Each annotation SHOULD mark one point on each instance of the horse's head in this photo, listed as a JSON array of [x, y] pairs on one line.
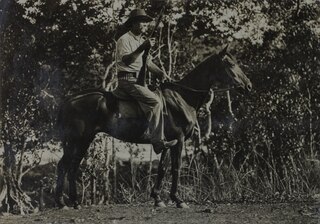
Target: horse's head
[[229, 73]]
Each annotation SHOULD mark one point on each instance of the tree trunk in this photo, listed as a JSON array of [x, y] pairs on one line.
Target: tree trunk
[[114, 161], [14, 199], [311, 132], [106, 180], [149, 186], [93, 190]]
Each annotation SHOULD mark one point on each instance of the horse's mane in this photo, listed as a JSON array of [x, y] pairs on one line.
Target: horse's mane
[[210, 57]]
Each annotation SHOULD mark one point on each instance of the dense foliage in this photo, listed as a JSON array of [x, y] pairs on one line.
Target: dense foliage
[[268, 146]]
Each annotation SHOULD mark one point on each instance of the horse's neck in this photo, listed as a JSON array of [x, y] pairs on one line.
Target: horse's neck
[[198, 81], [194, 99]]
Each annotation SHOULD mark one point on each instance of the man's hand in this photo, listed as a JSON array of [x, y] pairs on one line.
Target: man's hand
[[148, 43]]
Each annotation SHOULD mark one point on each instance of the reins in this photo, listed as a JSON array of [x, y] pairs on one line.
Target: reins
[[200, 90]]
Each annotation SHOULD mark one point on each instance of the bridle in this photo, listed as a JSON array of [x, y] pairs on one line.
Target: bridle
[[227, 70]]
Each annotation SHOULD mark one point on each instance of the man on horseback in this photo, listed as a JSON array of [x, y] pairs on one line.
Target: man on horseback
[[130, 48]]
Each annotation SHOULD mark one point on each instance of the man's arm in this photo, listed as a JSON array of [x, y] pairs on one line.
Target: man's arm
[[130, 58]]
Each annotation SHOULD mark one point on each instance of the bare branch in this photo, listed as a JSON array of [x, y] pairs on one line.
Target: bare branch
[[230, 105], [159, 55], [169, 50], [298, 8], [208, 111], [106, 74]]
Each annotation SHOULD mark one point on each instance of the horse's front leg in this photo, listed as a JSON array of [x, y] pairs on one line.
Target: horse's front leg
[[176, 152], [162, 169], [79, 152]]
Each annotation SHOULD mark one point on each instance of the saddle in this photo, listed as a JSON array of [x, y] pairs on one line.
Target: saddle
[[124, 106]]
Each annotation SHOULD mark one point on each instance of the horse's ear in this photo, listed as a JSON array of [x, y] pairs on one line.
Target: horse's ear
[[224, 51]]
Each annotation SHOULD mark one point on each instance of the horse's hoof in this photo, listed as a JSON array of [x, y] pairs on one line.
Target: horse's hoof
[[182, 205], [60, 203], [77, 206], [62, 206], [160, 204]]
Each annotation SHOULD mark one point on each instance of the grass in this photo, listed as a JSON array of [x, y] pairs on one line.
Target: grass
[[214, 178]]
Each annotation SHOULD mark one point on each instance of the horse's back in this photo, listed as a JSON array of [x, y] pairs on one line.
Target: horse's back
[[95, 99]]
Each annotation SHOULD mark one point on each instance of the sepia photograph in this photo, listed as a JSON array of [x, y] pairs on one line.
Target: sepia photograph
[[159, 111]]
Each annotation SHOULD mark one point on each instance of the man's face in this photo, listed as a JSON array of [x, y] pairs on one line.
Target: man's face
[[140, 27]]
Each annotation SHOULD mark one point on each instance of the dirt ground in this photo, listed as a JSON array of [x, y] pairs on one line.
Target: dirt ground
[[145, 213]]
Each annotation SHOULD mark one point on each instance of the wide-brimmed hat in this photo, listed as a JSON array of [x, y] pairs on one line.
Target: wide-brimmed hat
[[138, 15]]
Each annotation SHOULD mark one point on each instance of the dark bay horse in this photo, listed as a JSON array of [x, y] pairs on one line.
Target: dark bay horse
[[83, 115]]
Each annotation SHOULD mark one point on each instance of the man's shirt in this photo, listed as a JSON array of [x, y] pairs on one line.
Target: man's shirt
[[127, 44]]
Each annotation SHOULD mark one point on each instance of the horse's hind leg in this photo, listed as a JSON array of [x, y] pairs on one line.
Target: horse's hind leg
[[61, 172], [80, 150], [162, 168]]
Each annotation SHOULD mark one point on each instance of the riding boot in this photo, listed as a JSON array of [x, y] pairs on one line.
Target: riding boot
[[160, 145]]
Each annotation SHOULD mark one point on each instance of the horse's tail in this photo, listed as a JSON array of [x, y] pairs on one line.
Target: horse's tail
[[60, 115], [60, 121]]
